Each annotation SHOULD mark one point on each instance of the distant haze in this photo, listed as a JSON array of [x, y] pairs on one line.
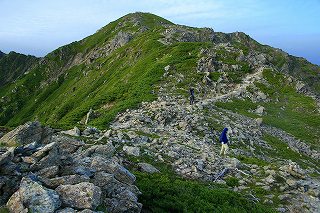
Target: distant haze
[[37, 27]]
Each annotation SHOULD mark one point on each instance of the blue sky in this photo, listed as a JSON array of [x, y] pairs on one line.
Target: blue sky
[[39, 26]]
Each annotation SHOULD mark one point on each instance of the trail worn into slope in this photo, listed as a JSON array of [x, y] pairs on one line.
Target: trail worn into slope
[[186, 137], [240, 88]]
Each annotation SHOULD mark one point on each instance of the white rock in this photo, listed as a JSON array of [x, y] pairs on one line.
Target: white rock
[[166, 68], [145, 167], [259, 121], [260, 110], [131, 150], [73, 132]]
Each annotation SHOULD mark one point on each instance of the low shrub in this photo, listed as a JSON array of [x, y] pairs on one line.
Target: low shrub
[[163, 193]]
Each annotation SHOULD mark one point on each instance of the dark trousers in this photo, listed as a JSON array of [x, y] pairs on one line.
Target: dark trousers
[[191, 99]]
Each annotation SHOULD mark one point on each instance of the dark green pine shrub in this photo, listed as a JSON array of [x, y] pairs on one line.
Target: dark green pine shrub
[[162, 193]]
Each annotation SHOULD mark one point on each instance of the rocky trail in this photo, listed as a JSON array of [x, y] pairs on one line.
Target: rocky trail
[[167, 130], [186, 136], [140, 57], [239, 88]]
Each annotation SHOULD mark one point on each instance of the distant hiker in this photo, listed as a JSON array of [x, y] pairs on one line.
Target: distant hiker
[[191, 91], [224, 142]]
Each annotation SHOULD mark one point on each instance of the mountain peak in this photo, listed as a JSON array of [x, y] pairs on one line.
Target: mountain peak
[[132, 79], [147, 19]]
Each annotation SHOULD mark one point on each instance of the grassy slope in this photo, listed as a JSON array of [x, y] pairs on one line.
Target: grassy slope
[[288, 110], [125, 80], [13, 65]]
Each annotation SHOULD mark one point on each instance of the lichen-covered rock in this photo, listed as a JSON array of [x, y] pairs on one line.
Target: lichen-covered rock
[[131, 150], [69, 166], [51, 159], [105, 150], [33, 197], [116, 205], [73, 132], [84, 195], [148, 168], [89, 211], [66, 144], [27, 133], [65, 180], [8, 185], [123, 175], [44, 151], [66, 210], [103, 164], [7, 155], [48, 172], [102, 178]]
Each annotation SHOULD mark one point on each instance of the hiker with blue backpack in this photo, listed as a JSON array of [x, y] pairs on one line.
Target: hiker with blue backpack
[[224, 142]]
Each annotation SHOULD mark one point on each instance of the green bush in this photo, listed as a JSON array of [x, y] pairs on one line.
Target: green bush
[[214, 76], [4, 210], [162, 193], [232, 181]]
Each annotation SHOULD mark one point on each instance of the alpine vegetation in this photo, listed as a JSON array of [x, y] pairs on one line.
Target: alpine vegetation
[[149, 116]]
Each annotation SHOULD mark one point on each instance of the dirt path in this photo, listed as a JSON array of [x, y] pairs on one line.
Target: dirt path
[[247, 81]]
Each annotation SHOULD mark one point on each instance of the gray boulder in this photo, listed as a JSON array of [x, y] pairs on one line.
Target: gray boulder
[[114, 187], [84, 195], [97, 164], [232, 163], [8, 186], [148, 168], [27, 133], [65, 180], [33, 197], [100, 164], [102, 178], [48, 172], [131, 150], [300, 86], [90, 131], [105, 150], [116, 205], [7, 155], [51, 158], [80, 170], [260, 110], [67, 145], [66, 210], [259, 121], [44, 151], [73, 132], [124, 176]]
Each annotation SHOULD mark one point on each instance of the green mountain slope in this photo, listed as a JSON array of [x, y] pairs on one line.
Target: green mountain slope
[[135, 74], [13, 65], [122, 65]]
